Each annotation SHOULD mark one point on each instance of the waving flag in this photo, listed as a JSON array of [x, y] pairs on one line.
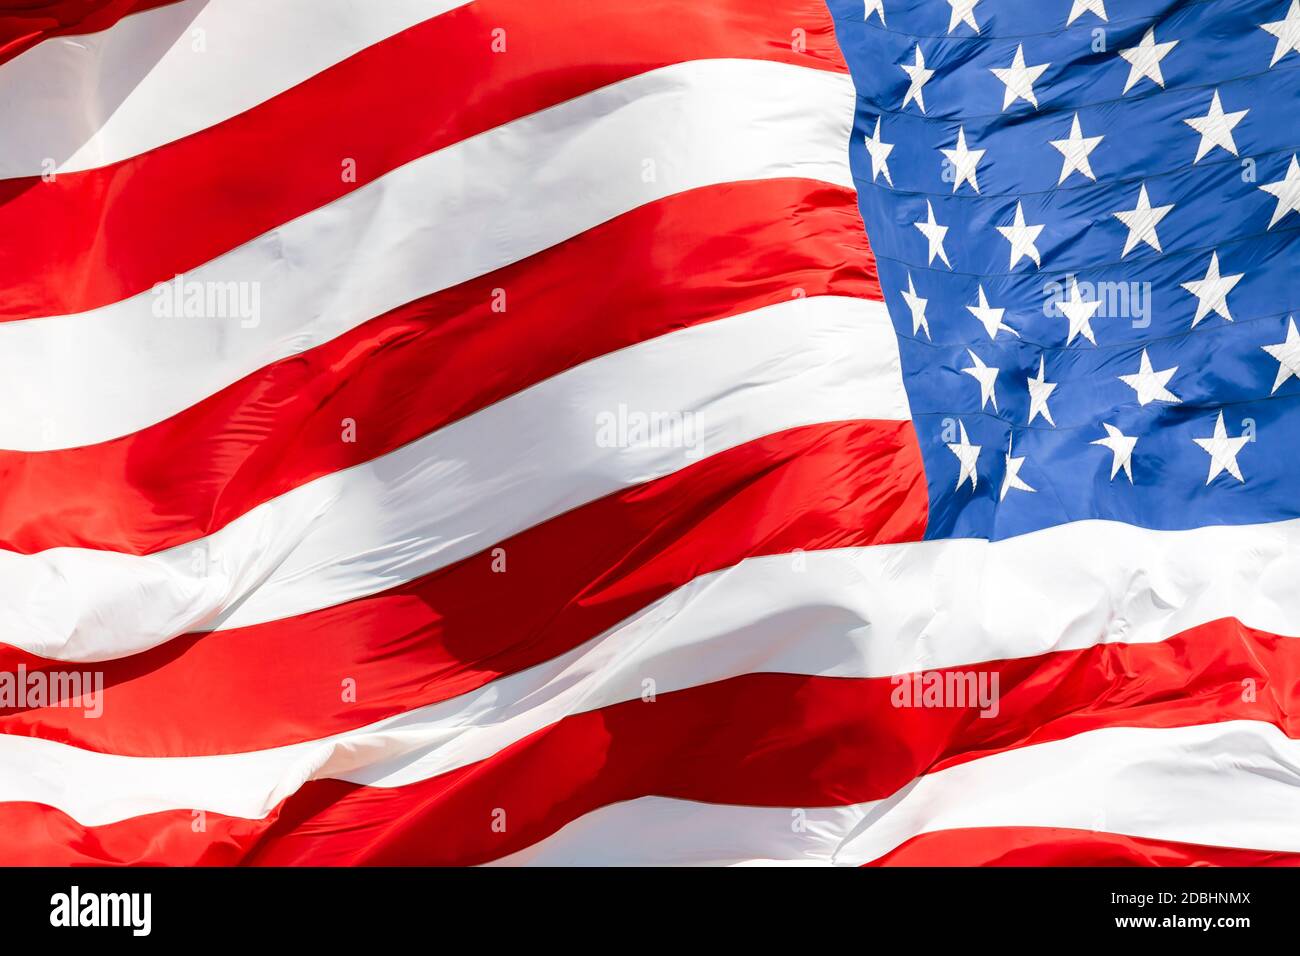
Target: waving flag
[[459, 433]]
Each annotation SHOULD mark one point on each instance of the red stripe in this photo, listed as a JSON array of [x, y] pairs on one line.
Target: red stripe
[[1053, 846], [464, 625], [762, 739], [25, 23], [688, 259], [428, 87]]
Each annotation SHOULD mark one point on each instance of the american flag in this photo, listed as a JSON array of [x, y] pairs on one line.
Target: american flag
[[464, 433]]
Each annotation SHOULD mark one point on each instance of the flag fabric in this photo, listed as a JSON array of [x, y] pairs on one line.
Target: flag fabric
[[477, 433]]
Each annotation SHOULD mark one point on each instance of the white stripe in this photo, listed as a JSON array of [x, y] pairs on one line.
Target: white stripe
[[1234, 784], [721, 625], [157, 76], [443, 219], [459, 490], [944, 603]]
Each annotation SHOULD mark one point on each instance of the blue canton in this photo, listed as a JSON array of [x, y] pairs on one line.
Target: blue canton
[[1086, 216]]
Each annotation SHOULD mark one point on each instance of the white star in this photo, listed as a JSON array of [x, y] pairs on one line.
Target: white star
[[875, 6], [1215, 128], [1075, 150], [920, 76], [1144, 59], [1287, 32], [1022, 238], [1223, 451], [1011, 478], [1039, 391], [1121, 447], [963, 11], [1079, 313], [990, 318], [1287, 354], [1080, 7], [1142, 221], [987, 376], [1019, 79], [1287, 191], [1150, 384], [967, 454], [1212, 291], [934, 234], [964, 161], [879, 151], [916, 305]]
